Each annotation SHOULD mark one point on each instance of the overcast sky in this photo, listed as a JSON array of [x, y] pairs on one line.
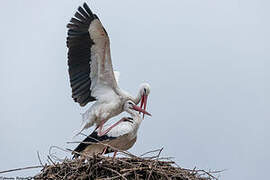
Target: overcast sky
[[207, 62]]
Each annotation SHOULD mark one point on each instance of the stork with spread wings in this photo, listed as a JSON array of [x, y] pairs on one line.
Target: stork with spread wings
[[91, 73]]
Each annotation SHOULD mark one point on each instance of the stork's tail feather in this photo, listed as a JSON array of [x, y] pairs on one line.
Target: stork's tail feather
[[83, 127], [85, 116], [86, 123], [76, 133]]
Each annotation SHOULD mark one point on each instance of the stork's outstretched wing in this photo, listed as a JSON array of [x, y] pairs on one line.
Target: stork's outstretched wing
[[89, 59]]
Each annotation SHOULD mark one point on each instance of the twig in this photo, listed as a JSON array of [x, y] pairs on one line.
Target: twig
[[115, 172], [39, 159], [155, 164], [55, 157], [56, 147], [115, 177], [160, 152], [209, 174], [148, 152], [20, 169], [49, 158]]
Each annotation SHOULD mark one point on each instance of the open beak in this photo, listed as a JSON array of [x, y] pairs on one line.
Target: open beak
[[143, 103], [137, 108]]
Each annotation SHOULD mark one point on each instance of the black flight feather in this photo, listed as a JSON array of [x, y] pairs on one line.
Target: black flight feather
[[91, 139], [79, 45]]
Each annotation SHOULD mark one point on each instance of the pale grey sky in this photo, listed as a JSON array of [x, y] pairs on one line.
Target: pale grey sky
[[207, 62]]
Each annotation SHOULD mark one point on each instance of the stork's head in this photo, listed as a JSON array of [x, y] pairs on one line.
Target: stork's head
[[130, 107], [144, 91]]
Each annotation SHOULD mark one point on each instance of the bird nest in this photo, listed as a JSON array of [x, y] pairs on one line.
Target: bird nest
[[132, 167]]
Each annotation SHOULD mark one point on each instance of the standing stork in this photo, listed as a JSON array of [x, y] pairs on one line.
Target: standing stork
[[122, 137], [91, 73]]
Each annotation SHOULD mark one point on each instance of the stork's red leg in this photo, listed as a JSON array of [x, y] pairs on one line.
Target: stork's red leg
[[107, 130], [104, 150], [100, 128], [114, 154]]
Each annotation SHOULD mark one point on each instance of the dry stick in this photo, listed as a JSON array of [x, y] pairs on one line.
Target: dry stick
[[49, 158], [187, 170], [160, 152], [55, 157], [203, 171], [118, 159], [173, 172], [217, 171], [115, 172], [167, 158], [134, 169], [150, 152], [160, 171], [39, 159], [194, 171], [19, 169], [123, 161], [153, 157], [210, 175], [155, 164], [115, 177], [57, 147], [136, 176]]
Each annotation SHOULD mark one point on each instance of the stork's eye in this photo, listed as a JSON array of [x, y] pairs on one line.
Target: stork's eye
[[130, 103], [144, 90]]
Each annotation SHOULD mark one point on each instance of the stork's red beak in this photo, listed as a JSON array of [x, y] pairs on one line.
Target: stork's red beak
[[144, 102], [137, 108]]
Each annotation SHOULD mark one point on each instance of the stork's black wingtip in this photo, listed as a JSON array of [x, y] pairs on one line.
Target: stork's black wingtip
[[79, 8], [85, 5]]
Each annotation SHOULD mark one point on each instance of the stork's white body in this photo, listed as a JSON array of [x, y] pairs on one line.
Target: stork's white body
[[122, 137], [102, 110], [91, 73]]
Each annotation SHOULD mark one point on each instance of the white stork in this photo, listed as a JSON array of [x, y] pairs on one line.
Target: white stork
[[121, 137], [91, 73]]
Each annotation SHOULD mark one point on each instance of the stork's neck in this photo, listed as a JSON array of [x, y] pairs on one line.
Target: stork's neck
[[136, 122], [135, 115], [137, 99], [127, 96]]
